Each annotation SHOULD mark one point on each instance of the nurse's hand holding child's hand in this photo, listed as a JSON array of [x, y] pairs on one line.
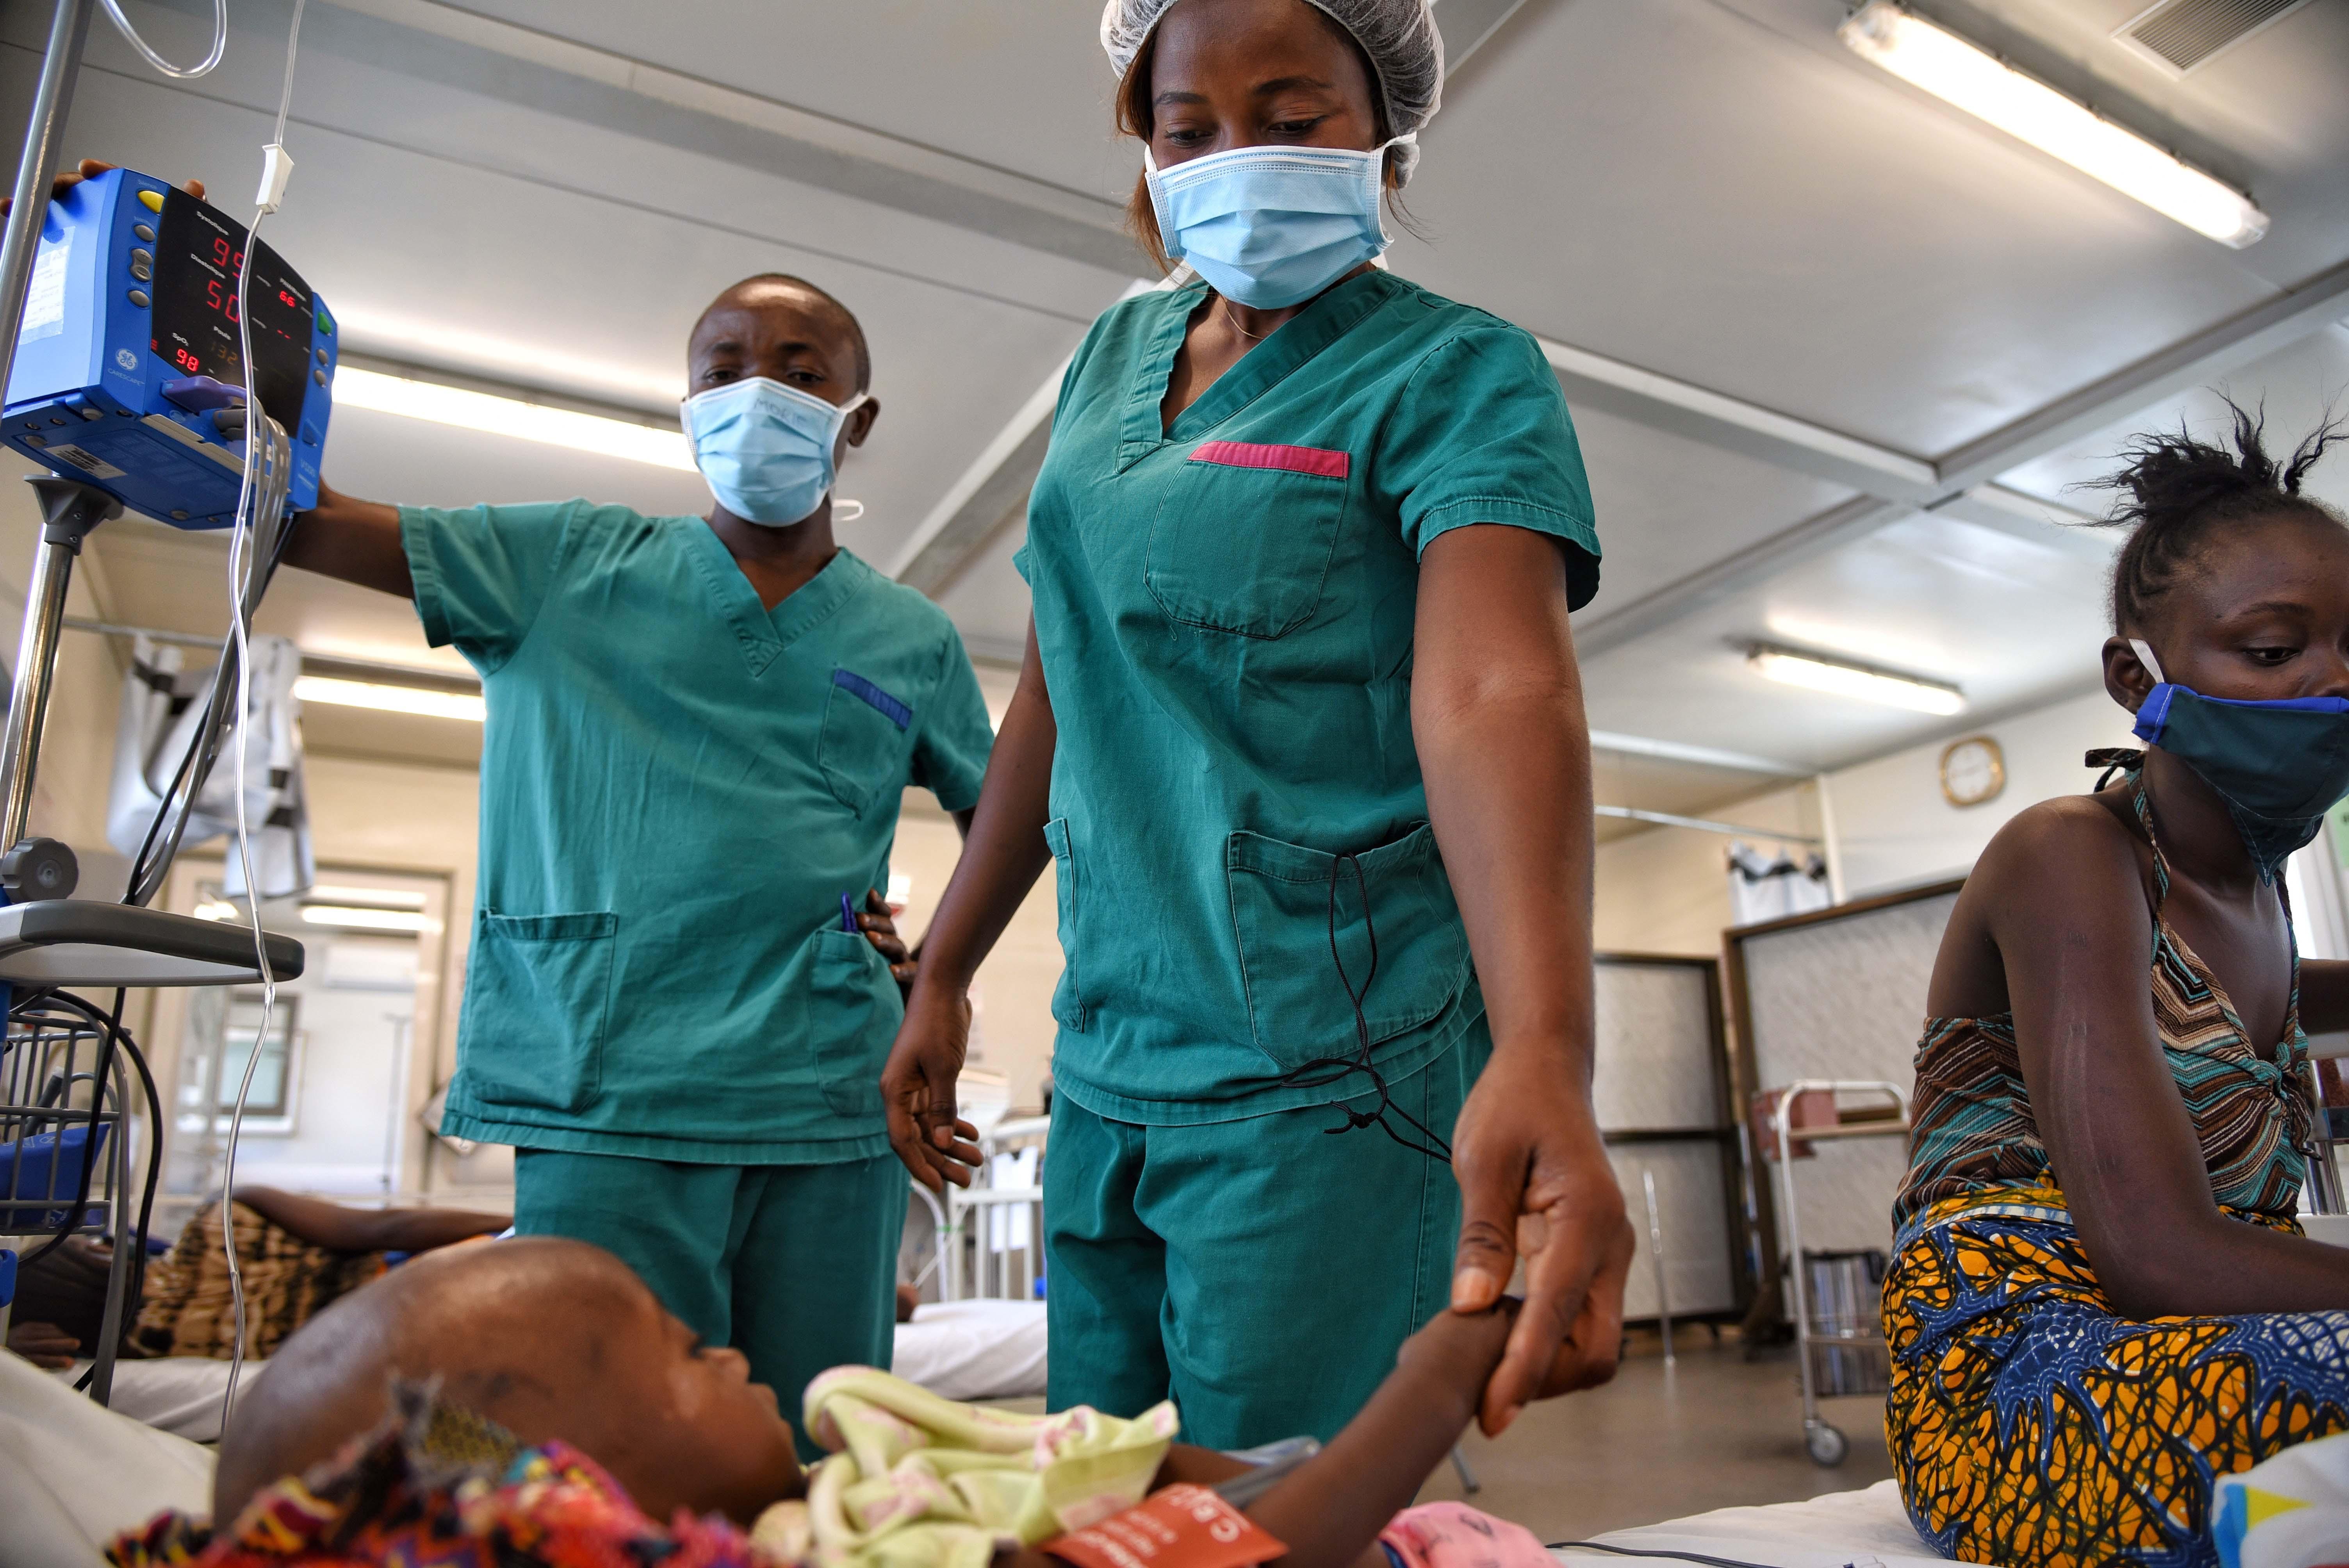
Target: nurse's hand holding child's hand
[[1535, 1182]]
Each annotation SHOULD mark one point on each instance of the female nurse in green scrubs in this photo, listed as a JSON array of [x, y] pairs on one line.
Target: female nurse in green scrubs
[[1301, 731]]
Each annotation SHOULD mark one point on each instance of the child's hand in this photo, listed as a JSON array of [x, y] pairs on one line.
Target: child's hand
[[1460, 1349]]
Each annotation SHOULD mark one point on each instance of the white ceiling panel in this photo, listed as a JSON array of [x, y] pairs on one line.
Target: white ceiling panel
[[2298, 389], [2012, 622], [1675, 184], [1018, 83]]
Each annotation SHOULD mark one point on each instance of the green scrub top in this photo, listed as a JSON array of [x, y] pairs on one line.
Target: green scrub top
[[678, 786], [1225, 614]]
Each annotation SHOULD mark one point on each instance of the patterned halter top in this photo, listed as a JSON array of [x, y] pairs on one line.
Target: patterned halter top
[[2251, 1108]]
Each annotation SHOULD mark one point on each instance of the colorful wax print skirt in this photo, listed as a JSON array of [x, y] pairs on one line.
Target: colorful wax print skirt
[[2031, 1426]]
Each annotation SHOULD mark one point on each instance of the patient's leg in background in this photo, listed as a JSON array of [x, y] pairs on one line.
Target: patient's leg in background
[[669, 1221], [814, 1259]]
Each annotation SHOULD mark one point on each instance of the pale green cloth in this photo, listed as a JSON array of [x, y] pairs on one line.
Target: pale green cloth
[[919, 1481]]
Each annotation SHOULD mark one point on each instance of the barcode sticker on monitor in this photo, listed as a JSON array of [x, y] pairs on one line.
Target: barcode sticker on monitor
[[89, 462]]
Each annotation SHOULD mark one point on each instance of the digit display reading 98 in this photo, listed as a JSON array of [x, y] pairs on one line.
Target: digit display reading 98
[[198, 254]]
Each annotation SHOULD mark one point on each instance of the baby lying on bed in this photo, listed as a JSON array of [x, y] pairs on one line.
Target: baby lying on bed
[[541, 1353]]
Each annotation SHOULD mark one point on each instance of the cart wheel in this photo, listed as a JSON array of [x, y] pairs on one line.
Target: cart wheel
[[1827, 1445]]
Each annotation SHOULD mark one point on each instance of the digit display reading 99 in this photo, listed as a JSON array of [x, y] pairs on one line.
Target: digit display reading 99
[[199, 252]]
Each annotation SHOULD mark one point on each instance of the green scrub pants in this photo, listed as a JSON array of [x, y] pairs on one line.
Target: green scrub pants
[[794, 1265], [1260, 1273]]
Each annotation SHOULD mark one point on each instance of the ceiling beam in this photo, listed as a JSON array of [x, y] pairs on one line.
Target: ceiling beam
[[2252, 334], [1732, 423], [1467, 26], [1961, 477], [989, 497], [554, 75], [1731, 574]]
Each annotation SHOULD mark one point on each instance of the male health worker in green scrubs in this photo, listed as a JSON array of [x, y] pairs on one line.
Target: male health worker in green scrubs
[[677, 1002], [1300, 732]]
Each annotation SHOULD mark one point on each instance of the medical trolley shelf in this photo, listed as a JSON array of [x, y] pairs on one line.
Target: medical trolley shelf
[[1817, 1334], [64, 1152]]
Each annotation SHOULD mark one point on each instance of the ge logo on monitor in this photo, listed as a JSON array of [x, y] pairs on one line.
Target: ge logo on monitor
[[126, 358]]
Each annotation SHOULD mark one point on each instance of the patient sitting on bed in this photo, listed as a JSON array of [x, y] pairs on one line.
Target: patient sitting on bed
[[504, 1396]]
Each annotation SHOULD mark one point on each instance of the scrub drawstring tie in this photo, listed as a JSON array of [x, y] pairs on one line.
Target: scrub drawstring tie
[[1324, 1070]]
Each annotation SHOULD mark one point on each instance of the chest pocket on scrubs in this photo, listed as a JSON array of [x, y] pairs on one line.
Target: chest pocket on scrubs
[[1244, 535], [862, 748], [1297, 1001], [854, 1014], [538, 992]]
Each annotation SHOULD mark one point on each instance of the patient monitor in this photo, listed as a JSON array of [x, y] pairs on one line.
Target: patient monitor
[[129, 375]]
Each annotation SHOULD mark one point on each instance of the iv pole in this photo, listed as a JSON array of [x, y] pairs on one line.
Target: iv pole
[[58, 940], [72, 510]]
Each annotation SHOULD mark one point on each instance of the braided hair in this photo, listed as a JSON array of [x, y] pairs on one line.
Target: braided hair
[[2176, 492]]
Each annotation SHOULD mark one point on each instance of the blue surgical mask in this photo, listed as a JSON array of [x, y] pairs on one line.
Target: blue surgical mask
[[765, 448], [1270, 227], [2279, 765]]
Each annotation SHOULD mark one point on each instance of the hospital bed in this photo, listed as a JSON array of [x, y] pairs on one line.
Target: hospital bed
[[984, 1337], [1865, 1529], [72, 1474]]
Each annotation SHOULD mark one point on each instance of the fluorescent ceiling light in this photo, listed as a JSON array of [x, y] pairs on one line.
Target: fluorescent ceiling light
[[392, 898], [216, 909], [360, 388], [1821, 673], [367, 918], [433, 342], [2025, 108], [391, 698]]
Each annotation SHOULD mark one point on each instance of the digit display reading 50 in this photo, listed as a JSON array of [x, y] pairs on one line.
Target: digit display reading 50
[[199, 257]]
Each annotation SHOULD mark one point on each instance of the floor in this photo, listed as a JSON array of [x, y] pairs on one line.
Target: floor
[[1714, 1431]]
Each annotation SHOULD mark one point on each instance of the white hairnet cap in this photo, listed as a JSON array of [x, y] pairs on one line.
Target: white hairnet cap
[[1406, 55]]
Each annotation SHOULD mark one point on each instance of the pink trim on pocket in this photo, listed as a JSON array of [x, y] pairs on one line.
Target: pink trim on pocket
[[1295, 460]]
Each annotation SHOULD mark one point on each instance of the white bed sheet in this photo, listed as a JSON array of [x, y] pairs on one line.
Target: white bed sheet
[[72, 1474], [1861, 1528], [973, 1349], [176, 1394]]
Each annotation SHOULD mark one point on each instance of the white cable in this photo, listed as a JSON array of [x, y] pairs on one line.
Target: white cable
[[181, 73], [264, 440]]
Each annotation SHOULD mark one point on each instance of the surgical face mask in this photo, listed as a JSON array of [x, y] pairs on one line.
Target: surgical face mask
[[1270, 227], [765, 448], [2279, 765]]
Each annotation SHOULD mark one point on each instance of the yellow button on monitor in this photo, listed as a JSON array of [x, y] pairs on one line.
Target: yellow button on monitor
[[154, 199]]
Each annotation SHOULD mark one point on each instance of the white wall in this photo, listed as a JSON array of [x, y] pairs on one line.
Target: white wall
[[1894, 829], [1011, 1000], [1666, 889]]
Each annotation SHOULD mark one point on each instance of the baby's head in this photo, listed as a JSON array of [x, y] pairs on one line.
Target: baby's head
[[2235, 578], [551, 1339]]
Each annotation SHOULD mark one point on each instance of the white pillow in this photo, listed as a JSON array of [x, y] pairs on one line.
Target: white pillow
[[73, 1474]]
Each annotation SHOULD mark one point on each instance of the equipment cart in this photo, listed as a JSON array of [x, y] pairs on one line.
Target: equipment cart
[[1842, 1333]]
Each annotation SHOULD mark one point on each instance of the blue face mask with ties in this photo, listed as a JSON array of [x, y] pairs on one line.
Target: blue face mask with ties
[[2279, 765], [1270, 227], [765, 448]]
